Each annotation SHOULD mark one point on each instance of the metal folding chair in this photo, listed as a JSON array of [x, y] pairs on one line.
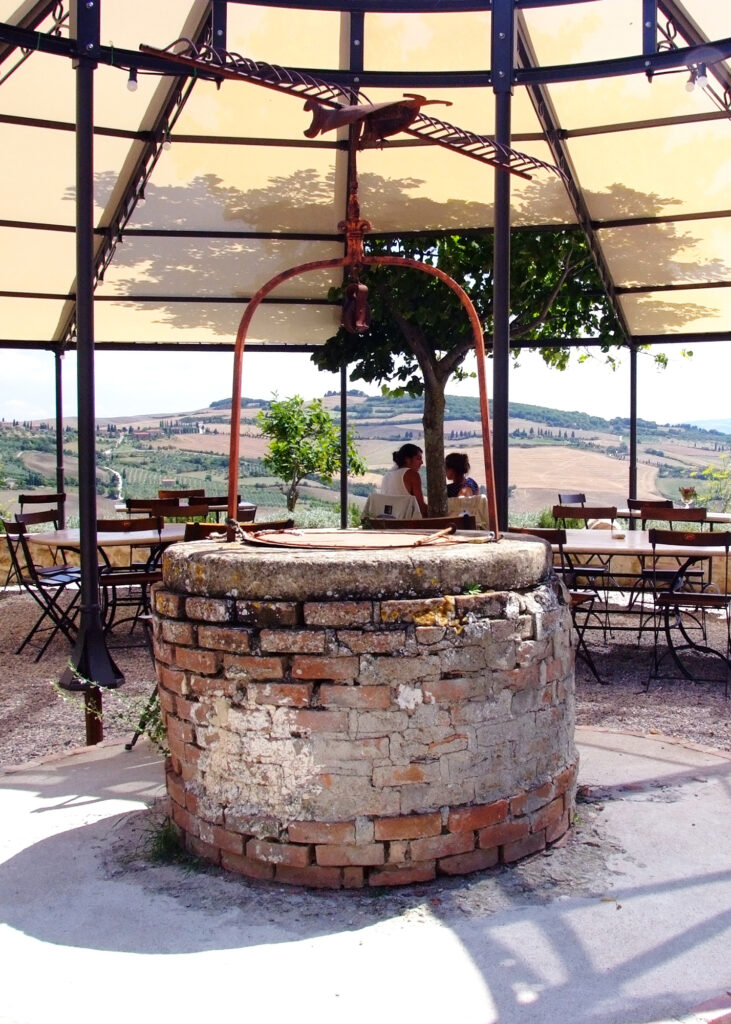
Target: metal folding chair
[[128, 585], [680, 608], [46, 586], [581, 600]]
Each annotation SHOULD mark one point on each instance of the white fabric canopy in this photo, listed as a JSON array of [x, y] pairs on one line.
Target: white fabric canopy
[[651, 164]]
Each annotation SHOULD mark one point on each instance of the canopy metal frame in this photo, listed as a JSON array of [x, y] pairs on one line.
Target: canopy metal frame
[[92, 666]]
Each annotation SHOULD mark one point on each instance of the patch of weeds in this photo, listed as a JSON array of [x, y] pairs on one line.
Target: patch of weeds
[[164, 844], [472, 588]]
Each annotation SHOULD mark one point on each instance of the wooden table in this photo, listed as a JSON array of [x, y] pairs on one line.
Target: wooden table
[[71, 539], [717, 518], [627, 543]]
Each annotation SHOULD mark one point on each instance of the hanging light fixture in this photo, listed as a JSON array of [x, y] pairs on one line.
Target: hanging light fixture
[[701, 77], [132, 80]]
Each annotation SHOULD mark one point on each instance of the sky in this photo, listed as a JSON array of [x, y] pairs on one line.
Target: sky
[[129, 383]]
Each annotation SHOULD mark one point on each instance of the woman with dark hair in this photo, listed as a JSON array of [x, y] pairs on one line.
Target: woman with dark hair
[[457, 466], [404, 477]]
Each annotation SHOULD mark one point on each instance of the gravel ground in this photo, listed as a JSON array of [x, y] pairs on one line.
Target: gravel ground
[[37, 720]]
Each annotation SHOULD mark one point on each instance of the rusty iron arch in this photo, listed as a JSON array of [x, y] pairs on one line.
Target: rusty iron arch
[[348, 261]]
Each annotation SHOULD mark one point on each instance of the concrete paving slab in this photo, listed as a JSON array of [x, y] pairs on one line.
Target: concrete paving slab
[[627, 922]]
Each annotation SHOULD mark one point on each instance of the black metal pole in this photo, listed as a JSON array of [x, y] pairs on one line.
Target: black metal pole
[[344, 447], [502, 69], [632, 425], [91, 665], [60, 486], [356, 45]]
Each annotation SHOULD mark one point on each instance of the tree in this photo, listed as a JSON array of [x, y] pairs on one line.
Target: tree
[[419, 334], [304, 441]]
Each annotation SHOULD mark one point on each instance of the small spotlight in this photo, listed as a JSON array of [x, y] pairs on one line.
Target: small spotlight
[[132, 80], [701, 78], [166, 141], [690, 84]]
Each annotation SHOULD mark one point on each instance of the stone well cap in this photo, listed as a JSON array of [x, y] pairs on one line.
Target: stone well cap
[[217, 569]]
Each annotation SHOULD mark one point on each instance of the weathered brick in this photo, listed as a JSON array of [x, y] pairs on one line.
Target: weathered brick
[[205, 663], [164, 652], [319, 720], [252, 668], [182, 732], [398, 851], [231, 842], [429, 635], [522, 678], [463, 659], [167, 701], [321, 832], [353, 878], [480, 816], [566, 779], [278, 853], [340, 856], [373, 697], [557, 827], [412, 826], [450, 744], [178, 632], [449, 690], [433, 611], [175, 788], [395, 671], [172, 679], [292, 641], [464, 863], [422, 872], [403, 775], [172, 606], [290, 695], [246, 866], [507, 832], [338, 613], [523, 847], [372, 642], [492, 605], [206, 686], [268, 613], [367, 749], [191, 711], [225, 638], [306, 667], [208, 609], [202, 849], [184, 819], [532, 799], [314, 875], [547, 815], [442, 846], [379, 723]]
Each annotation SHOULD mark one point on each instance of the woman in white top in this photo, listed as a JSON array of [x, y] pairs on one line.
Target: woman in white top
[[404, 477]]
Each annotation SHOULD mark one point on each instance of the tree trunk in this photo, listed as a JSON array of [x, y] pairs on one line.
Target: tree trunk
[[433, 421]]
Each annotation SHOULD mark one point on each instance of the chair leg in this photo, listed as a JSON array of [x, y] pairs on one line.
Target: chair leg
[[146, 621], [581, 646], [144, 718]]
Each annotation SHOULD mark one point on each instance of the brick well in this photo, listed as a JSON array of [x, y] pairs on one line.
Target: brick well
[[349, 718]]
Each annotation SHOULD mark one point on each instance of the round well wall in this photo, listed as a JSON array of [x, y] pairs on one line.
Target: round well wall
[[347, 718]]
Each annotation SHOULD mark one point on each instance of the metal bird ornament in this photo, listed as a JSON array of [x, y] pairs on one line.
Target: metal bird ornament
[[332, 106], [377, 120]]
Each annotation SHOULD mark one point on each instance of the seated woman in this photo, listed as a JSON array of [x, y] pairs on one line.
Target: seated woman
[[404, 477], [457, 466]]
